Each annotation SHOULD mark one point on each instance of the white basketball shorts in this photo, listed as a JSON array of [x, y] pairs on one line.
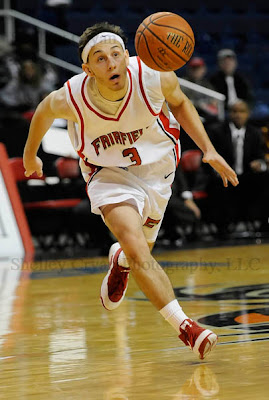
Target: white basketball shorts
[[147, 187]]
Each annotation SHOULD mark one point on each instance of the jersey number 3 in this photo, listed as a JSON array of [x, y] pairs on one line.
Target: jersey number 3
[[134, 156]]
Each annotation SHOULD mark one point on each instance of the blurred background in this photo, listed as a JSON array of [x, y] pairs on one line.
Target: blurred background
[[38, 53]]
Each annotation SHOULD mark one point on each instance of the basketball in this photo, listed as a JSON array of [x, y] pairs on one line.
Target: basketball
[[164, 41]]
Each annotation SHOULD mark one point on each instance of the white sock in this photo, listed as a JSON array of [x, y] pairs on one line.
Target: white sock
[[122, 260], [173, 314]]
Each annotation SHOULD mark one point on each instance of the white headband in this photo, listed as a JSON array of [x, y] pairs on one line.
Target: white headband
[[107, 37]]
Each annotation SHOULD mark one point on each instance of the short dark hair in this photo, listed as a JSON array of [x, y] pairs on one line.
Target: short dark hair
[[239, 101], [92, 31]]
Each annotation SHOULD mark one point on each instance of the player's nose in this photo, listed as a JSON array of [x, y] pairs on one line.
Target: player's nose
[[111, 63]]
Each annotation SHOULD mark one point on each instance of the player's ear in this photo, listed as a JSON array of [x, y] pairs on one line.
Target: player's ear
[[87, 70], [126, 55]]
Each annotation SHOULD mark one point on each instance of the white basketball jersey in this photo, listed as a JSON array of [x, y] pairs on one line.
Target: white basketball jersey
[[140, 132]]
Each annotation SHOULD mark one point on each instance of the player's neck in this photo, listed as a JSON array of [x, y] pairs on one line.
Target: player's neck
[[112, 95]]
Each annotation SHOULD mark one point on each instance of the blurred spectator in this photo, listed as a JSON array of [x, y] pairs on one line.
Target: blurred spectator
[[84, 222], [23, 83], [206, 106], [23, 93], [242, 146], [196, 71], [5, 73], [229, 81], [23, 86], [260, 118], [265, 132], [59, 7], [24, 49], [182, 214]]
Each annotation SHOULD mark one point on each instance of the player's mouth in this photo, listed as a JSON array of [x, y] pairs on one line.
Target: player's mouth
[[114, 77]]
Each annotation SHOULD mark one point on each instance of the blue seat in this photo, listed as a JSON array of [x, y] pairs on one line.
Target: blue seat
[[82, 5], [262, 7], [77, 22], [29, 7], [239, 7], [262, 95], [111, 6], [213, 6], [68, 53]]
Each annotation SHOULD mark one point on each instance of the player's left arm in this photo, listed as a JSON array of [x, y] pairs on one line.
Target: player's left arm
[[187, 116]]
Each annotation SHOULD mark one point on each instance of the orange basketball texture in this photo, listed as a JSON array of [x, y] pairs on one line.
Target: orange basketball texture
[[164, 41]]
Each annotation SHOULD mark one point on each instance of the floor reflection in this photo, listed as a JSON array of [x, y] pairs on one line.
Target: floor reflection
[[202, 384], [11, 302]]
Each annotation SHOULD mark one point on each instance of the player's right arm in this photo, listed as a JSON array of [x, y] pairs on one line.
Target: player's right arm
[[188, 117], [53, 106]]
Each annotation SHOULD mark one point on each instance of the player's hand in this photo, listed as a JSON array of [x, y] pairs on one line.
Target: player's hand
[[220, 165], [33, 165]]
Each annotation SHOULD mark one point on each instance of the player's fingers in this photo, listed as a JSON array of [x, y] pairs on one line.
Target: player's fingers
[[28, 173], [231, 175], [39, 170], [233, 179], [224, 179]]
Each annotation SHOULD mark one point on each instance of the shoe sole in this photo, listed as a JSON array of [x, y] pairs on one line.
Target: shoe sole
[[206, 345]]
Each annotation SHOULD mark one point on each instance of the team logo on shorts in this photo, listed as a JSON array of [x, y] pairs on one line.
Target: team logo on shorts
[[150, 222]]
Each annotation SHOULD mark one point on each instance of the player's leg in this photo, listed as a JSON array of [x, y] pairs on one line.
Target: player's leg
[[115, 283], [125, 223]]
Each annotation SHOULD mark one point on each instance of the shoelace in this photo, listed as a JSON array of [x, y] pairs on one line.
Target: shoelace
[[186, 335]]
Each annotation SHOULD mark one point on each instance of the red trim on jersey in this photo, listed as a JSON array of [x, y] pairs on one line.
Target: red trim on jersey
[[90, 174], [99, 114], [165, 121], [87, 188], [81, 121], [86, 162], [142, 88], [177, 154]]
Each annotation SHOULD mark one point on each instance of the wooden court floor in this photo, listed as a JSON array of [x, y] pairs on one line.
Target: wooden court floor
[[57, 342]]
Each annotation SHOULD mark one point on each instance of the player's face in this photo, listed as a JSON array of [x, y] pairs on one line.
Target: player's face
[[108, 64]]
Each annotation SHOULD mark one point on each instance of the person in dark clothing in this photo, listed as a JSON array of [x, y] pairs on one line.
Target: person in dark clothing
[[196, 72], [182, 211], [229, 81], [242, 146]]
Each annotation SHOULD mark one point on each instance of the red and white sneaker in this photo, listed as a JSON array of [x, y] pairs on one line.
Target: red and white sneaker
[[115, 282], [200, 340]]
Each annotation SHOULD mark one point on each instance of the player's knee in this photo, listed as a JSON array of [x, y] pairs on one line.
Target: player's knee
[[137, 254], [134, 245]]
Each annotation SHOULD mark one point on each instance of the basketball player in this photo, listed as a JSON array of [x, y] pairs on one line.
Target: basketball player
[[128, 146]]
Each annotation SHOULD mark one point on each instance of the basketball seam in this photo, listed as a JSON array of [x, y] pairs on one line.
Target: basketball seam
[[151, 54], [173, 51], [173, 27], [141, 33], [160, 16], [168, 26], [145, 27]]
